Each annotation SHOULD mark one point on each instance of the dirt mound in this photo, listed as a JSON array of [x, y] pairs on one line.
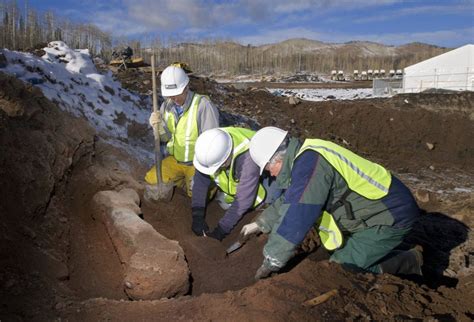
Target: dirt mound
[[399, 130], [38, 149], [59, 263]]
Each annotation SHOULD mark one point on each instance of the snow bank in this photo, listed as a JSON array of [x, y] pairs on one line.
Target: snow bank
[[69, 78]]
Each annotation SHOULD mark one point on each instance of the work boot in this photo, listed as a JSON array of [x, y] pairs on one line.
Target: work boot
[[406, 262]]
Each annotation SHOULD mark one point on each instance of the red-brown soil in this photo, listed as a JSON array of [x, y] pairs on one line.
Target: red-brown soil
[[57, 262]]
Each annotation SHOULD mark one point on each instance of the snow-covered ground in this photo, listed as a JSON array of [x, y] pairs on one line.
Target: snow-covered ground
[[70, 78], [325, 94], [280, 78]]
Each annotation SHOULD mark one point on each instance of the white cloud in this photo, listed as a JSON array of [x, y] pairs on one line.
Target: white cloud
[[439, 9], [312, 5], [117, 22], [269, 20], [449, 38], [178, 14]]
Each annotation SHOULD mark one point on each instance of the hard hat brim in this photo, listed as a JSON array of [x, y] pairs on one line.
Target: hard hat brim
[[267, 148], [203, 169], [166, 92], [331, 237]]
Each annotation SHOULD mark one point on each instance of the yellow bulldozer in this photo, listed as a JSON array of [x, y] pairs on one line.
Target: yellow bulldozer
[[123, 59], [184, 66]]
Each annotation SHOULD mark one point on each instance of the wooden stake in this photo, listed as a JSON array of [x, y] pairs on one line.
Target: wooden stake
[[321, 298]]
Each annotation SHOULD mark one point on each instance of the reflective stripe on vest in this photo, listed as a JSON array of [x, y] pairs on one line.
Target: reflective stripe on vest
[[225, 179], [329, 233], [367, 178], [184, 132]]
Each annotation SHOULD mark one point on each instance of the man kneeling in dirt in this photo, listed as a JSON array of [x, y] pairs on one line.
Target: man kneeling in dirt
[[361, 211], [222, 156], [182, 117]]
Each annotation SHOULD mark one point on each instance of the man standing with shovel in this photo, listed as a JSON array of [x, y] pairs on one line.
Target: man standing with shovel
[[182, 117]]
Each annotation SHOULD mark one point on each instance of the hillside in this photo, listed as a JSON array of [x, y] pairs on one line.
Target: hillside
[[295, 55]]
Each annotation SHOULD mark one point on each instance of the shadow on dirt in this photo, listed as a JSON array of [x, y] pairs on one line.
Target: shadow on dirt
[[439, 235]]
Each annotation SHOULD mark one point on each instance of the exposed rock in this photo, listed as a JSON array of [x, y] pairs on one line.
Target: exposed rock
[[47, 150], [294, 100], [155, 266]]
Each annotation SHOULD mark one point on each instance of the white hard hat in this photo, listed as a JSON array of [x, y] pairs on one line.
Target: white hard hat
[[264, 144], [212, 149], [173, 81]]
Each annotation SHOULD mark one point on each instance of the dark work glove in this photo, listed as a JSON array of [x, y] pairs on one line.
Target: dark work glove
[[218, 233], [199, 225]]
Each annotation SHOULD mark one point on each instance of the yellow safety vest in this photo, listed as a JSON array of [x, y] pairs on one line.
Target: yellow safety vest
[[184, 132], [362, 176], [225, 179]]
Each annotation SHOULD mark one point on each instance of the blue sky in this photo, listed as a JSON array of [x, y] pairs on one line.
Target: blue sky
[[447, 23]]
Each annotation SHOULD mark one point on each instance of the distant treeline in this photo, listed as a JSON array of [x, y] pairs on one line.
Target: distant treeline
[[225, 57], [23, 28]]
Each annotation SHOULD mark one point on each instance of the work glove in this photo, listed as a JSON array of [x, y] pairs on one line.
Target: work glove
[[218, 233], [265, 270], [155, 119], [199, 225], [250, 229]]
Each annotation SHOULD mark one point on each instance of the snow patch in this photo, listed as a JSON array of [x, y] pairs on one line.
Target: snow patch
[[325, 94], [69, 78]]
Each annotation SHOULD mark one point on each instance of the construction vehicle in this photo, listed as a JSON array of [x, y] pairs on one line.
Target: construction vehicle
[[340, 75], [184, 66], [123, 59], [370, 74]]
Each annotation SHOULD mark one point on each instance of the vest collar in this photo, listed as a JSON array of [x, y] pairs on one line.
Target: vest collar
[[284, 178], [187, 102]]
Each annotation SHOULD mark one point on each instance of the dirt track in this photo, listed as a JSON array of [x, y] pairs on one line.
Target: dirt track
[[58, 262], [357, 84]]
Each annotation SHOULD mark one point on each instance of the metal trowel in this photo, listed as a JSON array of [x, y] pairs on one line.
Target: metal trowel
[[237, 245]]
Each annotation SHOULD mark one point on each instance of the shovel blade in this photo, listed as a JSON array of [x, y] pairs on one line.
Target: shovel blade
[[157, 192]]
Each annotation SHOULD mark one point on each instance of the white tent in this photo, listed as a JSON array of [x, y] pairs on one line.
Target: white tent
[[453, 70]]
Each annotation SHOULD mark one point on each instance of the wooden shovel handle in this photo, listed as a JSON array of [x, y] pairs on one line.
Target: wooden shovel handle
[[156, 132]]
